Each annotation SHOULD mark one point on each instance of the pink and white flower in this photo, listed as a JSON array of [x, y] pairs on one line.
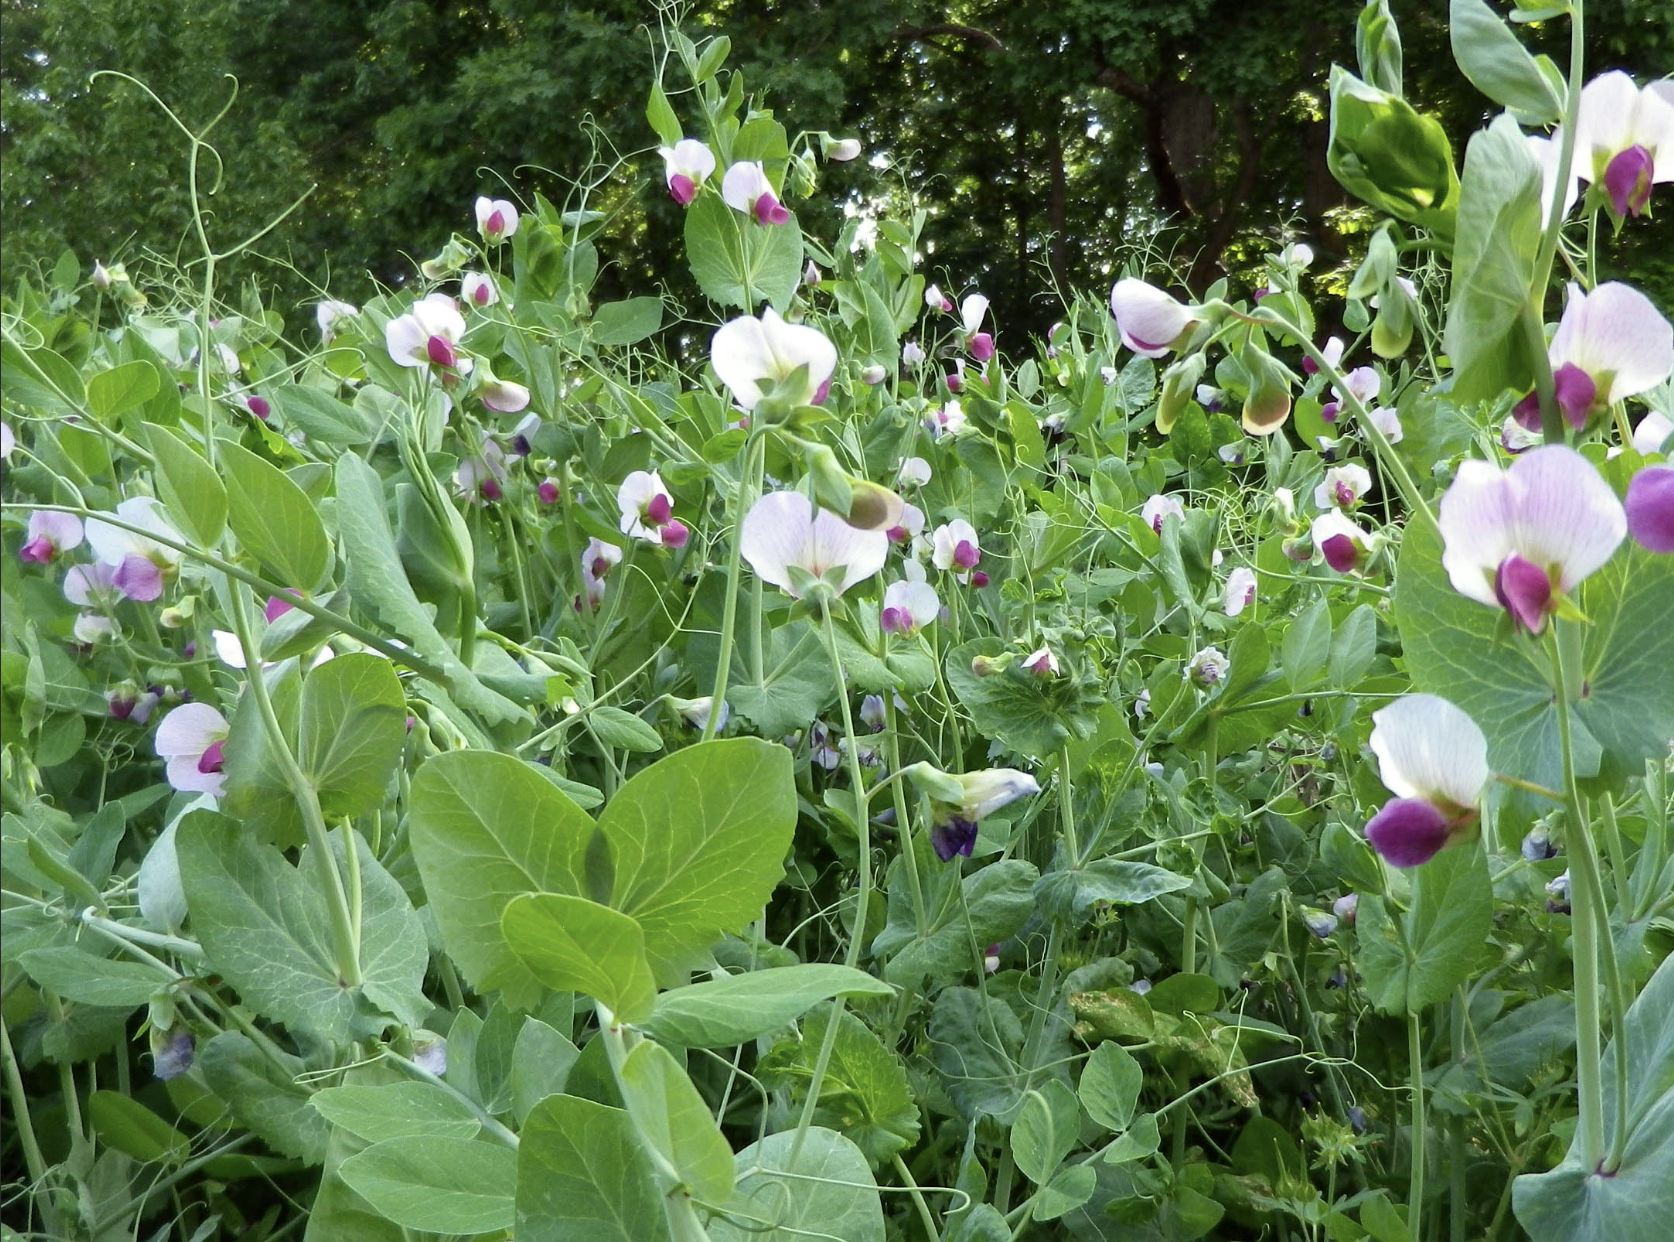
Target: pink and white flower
[[1333, 352], [48, 534], [192, 739], [1150, 321], [647, 511], [1548, 152], [1387, 421], [139, 565], [686, 166], [914, 472], [1625, 139], [791, 545], [746, 188], [1652, 433], [428, 335], [971, 312], [496, 219], [478, 290], [1157, 507], [936, 300], [954, 545], [1650, 508], [596, 562], [92, 586], [909, 526], [1345, 546], [1240, 590], [505, 397], [1362, 383], [1344, 487], [1611, 344], [1041, 662], [329, 313], [1207, 668], [1524, 538], [948, 419], [752, 356], [696, 712], [483, 477], [1434, 759], [908, 606]]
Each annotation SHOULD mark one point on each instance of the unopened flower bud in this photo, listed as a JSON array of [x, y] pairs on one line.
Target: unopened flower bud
[[874, 375], [1320, 923], [101, 277], [1346, 907], [811, 275]]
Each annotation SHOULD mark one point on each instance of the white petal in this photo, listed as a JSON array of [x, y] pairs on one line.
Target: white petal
[[775, 532], [971, 311], [795, 345], [917, 599], [182, 773], [228, 649], [190, 729], [1605, 126], [405, 338], [992, 788], [1148, 319], [743, 184], [1428, 748], [833, 542], [742, 358], [1564, 515], [1652, 433], [1615, 335]]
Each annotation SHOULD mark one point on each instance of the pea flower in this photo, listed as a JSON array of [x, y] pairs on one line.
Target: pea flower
[[90, 628], [842, 150], [48, 534], [478, 290], [1363, 383], [746, 188], [8, 441], [1652, 433], [1207, 668], [1434, 759], [686, 166], [1042, 663], [528, 427], [915, 472], [328, 314], [1343, 544], [428, 335], [1343, 488], [912, 354], [139, 564], [647, 512], [192, 738], [1548, 153], [596, 561], [1387, 421], [547, 491], [908, 606], [959, 801], [1150, 321], [1650, 508], [946, 420], [505, 397], [979, 343], [954, 545], [1347, 907], [1625, 139], [1319, 922], [259, 406], [496, 219], [748, 352], [1333, 351], [792, 545], [1524, 538], [935, 299], [482, 477], [696, 712], [92, 586], [1240, 590], [909, 527], [1611, 344], [1157, 507]]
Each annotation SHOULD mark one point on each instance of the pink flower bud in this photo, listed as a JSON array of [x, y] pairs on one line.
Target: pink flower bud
[[548, 491]]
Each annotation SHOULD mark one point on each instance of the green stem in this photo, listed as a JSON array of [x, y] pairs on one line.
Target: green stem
[[20, 1110], [1066, 808], [1188, 937], [903, 823], [1534, 337], [416, 1071], [344, 932], [1566, 153], [754, 453], [1415, 1188], [924, 1215]]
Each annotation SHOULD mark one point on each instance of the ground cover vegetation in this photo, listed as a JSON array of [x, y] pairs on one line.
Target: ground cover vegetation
[[755, 742]]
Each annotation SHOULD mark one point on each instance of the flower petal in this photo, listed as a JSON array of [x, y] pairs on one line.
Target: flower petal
[[1617, 337], [1429, 748], [1650, 508], [774, 533], [1408, 832], [190, 729], [833, 542]]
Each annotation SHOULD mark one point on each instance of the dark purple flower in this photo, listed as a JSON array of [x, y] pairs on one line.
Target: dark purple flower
[[955, 836]]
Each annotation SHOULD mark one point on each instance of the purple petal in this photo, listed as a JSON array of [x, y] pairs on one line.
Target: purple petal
[[1627, 180], [1650, 508], [138, 578], [1576, 391], [1525, 591], [1408, 831], [441, 351], [1527, 412], [173, 1056], [40, 550], [956, 836], [982, 346], [682, 189], [276, 608], [1340, 553]]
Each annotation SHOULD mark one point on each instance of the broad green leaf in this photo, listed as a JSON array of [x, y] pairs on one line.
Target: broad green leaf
[[1307, 646], [730, 253], [1377, 45], [134, 1130], [265, 927], [624, 730], [1067, 1191], [436, 1184], [674, 1119], [1073, 892], [1409, 968], [628, 322], [865, 1095], [41, 379], [661, 116], [337, 1213], [274, 520], [1463, 651], [1110, 1085], [351, 730], [583, 1177], [1498, 65], [998, 900], [397, 1110], [485, 828], [1390, 156], [326, 421], [733, 1010], [1032, 715], [1139, 1141], [265, 1097], [1046, 1130], [120, 389], [1353, 646], [832, 1194], [77, 975], [699, 842], [1185, 993], [1512, 1048], [1500, 227], [189, 486], [541, 1063], [975, 1043], [572, 944]]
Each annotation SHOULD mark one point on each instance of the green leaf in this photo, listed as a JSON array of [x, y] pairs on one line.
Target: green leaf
[[1377, 44], [1353, 646], [1067, 1191], [673, 1118], [134, 1130], [975, 1042], [729, 253], [1450, 920], [1307, 646], [865, 1094], [624, 730], [998, 900], [723, 1013], [1110, 1086], [1185, 993], [829, 1193], [397, 1110], [1461, 650], [189, 486], [485, 828], [661, 116], [352, 728], [1390, 156], [264, 926], [1498, 65], [274, 519], [583, 1177], [628, 322], [326, 421], [1139, 1141], [572, 944], [77, 975], [120, 389], [699, 840], [541, 1063], [1500, 227], [1032, 715], [1046, 1130], [437, 1184], [264, 1096]]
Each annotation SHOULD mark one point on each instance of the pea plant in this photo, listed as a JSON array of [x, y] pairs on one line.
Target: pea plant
[[510, 764]]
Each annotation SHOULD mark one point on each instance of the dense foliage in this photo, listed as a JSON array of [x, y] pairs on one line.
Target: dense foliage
[[747, 743]]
